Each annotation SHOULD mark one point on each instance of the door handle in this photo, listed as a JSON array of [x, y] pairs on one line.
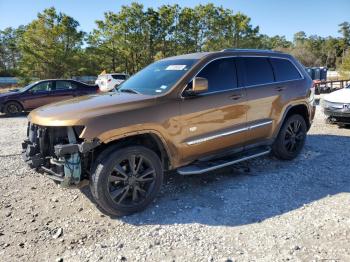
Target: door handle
[[236, 97], [280, 88]]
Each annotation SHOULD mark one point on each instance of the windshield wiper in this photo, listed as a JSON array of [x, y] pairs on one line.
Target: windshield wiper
[[129, 90]]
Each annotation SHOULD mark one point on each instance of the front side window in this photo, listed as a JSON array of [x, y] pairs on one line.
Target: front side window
[[257, 70], [284, 70], [42, 87], [221, 74], [157, 78], [64, 85]]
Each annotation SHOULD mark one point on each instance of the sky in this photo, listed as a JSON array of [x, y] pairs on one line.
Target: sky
[[274, 17]]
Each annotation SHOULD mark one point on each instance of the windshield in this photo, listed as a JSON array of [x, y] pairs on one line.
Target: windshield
[[157, 78], [27, 87]]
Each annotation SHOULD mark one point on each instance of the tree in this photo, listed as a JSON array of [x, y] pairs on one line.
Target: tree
[[345, 31], [345, 66], [128, 40], [10, 54], [50, 46], [299, 38]]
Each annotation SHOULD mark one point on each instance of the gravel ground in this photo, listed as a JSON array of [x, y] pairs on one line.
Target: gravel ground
[[264, 210]]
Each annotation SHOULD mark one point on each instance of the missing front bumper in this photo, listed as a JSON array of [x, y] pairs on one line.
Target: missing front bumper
[[66, 169], [60, 162]]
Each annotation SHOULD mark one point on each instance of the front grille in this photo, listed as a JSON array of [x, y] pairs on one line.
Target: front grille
[[38, 149], [339, 119], [45, 138]]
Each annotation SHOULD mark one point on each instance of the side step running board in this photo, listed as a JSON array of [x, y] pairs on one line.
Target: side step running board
[[203, 167]]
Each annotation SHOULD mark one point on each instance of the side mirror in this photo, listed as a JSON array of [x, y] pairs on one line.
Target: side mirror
[[199, 85]]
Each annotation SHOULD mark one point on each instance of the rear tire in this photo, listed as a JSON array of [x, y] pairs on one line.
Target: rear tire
[[13, 108], [127, 180], [291, 138]]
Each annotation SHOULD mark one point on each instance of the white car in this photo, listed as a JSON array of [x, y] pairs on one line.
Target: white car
[[336, 106], [110, 82]]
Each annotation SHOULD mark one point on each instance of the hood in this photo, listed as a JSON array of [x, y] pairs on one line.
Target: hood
[[78, 110], [340, 96], [8, 94]]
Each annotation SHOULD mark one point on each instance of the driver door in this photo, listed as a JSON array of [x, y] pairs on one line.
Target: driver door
[[39, 95]]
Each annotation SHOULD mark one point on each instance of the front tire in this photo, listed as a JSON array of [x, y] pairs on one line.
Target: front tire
[[13, 108], [127, 180], [291, 138]]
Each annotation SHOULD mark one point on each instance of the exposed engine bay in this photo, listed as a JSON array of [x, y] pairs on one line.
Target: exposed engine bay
[[58, 152]]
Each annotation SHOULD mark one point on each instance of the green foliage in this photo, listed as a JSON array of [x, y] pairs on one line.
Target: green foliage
[[345, 66], [10, 54], [134, 37], [51, 46]]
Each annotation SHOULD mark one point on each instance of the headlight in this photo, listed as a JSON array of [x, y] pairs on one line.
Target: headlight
[[328, 104]]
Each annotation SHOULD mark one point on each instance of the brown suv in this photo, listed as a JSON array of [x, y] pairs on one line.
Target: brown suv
[[191, 113]]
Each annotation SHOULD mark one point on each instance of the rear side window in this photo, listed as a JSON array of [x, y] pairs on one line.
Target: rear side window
[[221, 74], [284, 70], [119, 77], [257, 70], [64, 85]]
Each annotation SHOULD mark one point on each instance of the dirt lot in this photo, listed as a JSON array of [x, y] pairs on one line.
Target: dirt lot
[[276, 211]]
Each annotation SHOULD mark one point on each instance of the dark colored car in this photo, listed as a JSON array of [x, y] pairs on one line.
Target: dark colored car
[[192, 113], [41, 93]]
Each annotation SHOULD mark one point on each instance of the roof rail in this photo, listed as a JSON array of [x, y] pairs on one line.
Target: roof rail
[[249, 49]]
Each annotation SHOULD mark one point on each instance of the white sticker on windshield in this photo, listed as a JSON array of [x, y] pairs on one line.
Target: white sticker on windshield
[[158, 91], [175, 67], [163, 87]]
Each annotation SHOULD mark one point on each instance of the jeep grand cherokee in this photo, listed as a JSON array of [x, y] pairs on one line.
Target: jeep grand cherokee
[[191, 113]]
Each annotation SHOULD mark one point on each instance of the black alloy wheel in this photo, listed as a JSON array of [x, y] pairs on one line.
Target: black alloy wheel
[[126, 180], [131, 180], [291, 138], [13, 108], [294, 136]]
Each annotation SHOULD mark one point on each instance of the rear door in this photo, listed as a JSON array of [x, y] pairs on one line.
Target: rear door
[[269, 83], [216, 120], [63, 90], [85, 89], [263, 97]]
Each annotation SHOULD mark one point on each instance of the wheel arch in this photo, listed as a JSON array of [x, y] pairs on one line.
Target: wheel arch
[[12, 101], [300, 109], [149, 139]]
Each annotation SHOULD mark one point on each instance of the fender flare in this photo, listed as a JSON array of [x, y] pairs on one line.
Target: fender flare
[[286, 111], [153, 132]]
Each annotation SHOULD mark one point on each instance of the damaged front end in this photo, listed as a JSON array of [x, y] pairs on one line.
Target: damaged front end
[[58, 152]]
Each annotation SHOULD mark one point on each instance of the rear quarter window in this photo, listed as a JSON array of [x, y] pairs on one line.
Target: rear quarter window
[[284, 70], [119, 77]]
